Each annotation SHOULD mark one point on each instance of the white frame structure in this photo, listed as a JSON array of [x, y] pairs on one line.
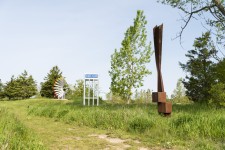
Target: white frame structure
[[91, 82]]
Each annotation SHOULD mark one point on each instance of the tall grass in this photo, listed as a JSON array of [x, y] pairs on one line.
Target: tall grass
[[14, 135], [200, 124]]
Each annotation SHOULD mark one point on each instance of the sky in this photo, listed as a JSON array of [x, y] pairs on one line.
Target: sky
[[80, 36]]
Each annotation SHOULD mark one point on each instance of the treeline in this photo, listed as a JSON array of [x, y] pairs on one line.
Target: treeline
[[21, 87], [24, 86]]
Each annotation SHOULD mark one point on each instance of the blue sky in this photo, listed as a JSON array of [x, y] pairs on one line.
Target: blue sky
[[80, 36]]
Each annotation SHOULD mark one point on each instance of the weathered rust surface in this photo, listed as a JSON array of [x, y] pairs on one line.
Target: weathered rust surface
[[165, 107], [160, 96], [157, 30]]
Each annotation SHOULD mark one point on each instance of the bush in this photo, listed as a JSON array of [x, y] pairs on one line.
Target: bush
[[217, 95]]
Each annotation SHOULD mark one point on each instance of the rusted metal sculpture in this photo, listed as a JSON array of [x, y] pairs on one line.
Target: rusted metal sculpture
[[160, 96]]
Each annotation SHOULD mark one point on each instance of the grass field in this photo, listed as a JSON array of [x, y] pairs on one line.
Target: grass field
[[15, 135], [191, 126]]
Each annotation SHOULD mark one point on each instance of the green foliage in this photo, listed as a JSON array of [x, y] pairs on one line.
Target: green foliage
[[14, 135], [79, 88], [211, 13], [143, 96], [128, 65], [22, 87], [178, 95], [47, 86], [217, 94], [77, 91], [1, 90], [199, 68], [220, 71]]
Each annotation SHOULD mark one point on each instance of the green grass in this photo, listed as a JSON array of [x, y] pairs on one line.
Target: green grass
[[14, 135], [190, 126]]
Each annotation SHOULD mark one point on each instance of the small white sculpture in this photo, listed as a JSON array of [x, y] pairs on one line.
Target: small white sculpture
[[58, 88]]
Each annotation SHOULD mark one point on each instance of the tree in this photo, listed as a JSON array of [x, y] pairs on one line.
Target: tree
[[27, 85], [218, 95], [47, 86], [76, 91], [22, 87], [128, 65], [79, 88], [211, 11], [178, 95], [220, 71], [1, 90], [179, 92], [143, 96], [10, 89], [199, 68]]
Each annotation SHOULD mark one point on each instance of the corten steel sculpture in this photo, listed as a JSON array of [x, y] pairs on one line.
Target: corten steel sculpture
[[160, 96]]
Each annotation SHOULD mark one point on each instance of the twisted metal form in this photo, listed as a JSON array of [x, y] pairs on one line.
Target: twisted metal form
[[157, 30]]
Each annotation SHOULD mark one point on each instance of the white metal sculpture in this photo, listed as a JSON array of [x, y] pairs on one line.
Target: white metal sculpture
[[59, 88], [91, 89]]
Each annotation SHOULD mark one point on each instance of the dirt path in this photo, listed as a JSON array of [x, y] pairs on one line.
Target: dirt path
[[58, 135]]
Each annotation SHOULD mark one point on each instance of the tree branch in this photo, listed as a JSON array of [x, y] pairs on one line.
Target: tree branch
[[219, 5]]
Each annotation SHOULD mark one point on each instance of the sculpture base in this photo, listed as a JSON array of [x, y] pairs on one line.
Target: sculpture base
[[165, 107], [158, 97]]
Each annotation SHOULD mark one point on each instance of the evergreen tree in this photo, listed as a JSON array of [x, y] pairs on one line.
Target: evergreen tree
[[128, 65], [47, 86], [20, 88], [11, 89], [199, 68], [27, 85]]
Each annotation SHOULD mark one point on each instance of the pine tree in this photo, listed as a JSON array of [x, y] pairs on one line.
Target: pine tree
[[27, 85], [21, 87], [199, 68], [47, 86], [128, 65], [11, 89]]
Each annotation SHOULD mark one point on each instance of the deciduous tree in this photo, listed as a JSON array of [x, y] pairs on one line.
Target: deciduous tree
[[179, 95], [128, 65], [1, 90], [212, 12]]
